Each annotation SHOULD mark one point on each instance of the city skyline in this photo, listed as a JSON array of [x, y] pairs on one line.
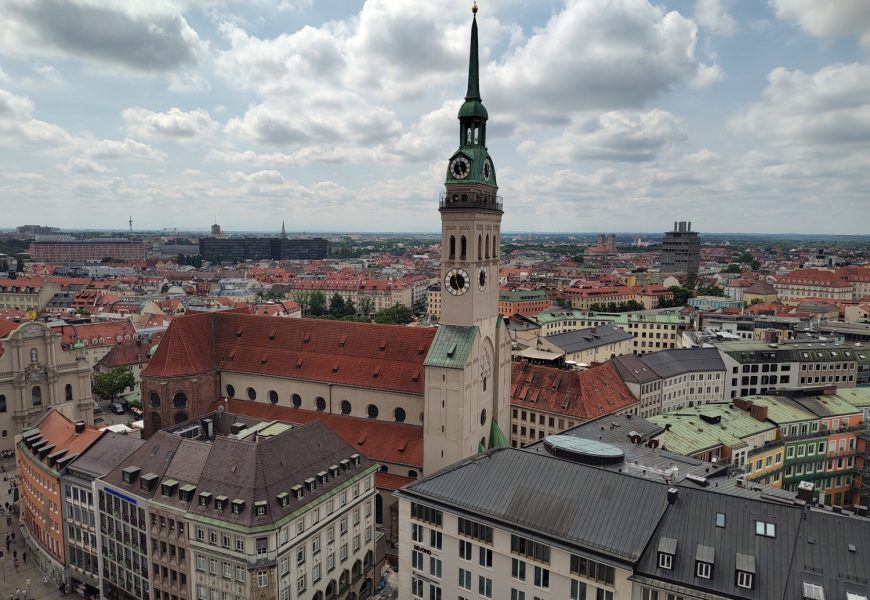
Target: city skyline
[[339, 116]]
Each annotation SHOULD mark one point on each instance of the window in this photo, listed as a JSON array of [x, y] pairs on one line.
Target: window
[[465, 550], [517, 594], [416, 586], [518, 569], [530, 549], [240, 574], [666, 561], [765, 529], [273, 396], [252, 393], [2, 403], [475, 530], [36, 396], [542, 577], [720, 519], [417, 560], [424, 513], [812, 591], [484, 586], [435, 567], [417, 532], [345, 407], [648, 594], [744, 580], [578, 590], [435, 539], [704, 570], [485, 557], [262, 578], [300, 584]]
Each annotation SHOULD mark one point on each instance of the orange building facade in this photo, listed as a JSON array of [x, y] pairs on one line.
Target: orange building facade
[[40, 454]]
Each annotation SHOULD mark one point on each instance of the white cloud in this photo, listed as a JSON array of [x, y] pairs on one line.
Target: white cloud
[[624, 136], [834, 18], [713, 15], [596, 54], [84, 166], [825, 111], [143, 37], [194, 125]]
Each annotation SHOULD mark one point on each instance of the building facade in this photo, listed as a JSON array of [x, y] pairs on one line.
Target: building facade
[[36, 374], [265, 248], [74, 251], [41, 454], [681, 249]]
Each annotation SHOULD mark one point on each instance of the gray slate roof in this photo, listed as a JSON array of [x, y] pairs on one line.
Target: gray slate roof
[[616, 428], [551, 499], [633, 370], [691, 520], [105, 454], [591, 337], [670, 363]]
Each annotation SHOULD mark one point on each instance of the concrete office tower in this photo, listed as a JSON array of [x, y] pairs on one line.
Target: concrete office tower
[[681, 249]]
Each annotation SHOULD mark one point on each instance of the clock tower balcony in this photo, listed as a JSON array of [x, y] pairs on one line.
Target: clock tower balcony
[[470, 200]]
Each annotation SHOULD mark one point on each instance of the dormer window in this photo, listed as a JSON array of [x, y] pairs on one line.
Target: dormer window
[[185, 492], [298, 493], [283, 499], [167, 488], [310, 484], [355, 459], [345, 464], [666, 552], [260, 508], [130, 474], [333, 470], [220, 502], [813, 591], [204, 498], [704, 562], [237, 505], [745, 567], [322, 477]]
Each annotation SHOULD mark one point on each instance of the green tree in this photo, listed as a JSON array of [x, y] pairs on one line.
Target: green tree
[[316, 304], [732, 268], [366, 306], [681, 297], [691, 281], [336, 306], [711, 290], [113, 382], [83, 311], [398, 314]]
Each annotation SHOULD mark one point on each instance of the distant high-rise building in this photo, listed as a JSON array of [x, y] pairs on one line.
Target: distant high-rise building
[[681, 249]]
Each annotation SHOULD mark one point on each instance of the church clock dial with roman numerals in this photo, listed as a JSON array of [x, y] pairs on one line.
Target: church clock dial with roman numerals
[[457, 281], [460, 167]]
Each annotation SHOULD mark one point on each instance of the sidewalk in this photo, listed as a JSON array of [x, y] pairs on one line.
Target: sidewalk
[[9, 577]]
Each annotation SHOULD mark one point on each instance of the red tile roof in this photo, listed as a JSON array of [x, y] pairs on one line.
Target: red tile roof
[[61, 432], [378, 440], [813, 277], [387, 357], [126, 354], [585, 394], [388, 481], [108, 331]]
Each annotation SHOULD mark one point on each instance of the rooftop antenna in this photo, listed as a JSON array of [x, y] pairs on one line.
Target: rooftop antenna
[[131, 226]]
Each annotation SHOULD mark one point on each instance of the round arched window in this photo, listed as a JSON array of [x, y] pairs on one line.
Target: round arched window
[[252, 394], [345, 407], [399, 414], [231, 391], [384, 469], [179, 400], [412, 473], [372, 411], [320, 403], [273, 396], [296, 399], [154, 397], [483, 417]]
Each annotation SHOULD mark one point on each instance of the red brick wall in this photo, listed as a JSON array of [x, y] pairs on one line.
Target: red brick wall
[[200, 390]]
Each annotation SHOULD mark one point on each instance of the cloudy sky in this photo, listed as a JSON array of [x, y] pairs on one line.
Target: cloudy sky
[[339, 115]]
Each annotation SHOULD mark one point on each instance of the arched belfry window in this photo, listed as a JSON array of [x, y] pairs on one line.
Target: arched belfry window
[[487, 245], [463, 246], [494, 253], [479, 246], [452, 247]]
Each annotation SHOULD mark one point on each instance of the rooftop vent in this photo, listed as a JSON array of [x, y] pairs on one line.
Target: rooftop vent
[[235, 428], [80, 426], [672, 495]]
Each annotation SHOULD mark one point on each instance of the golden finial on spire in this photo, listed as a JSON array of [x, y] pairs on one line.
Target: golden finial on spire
[[474, 7]]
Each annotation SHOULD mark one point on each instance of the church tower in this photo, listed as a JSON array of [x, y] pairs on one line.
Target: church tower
[[467, 401]]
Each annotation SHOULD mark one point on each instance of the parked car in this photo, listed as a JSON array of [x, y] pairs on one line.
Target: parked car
[[117, 408], [98, 410]]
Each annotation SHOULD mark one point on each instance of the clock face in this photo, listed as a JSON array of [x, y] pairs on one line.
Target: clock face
[[460, 167], [487, 169], [481, 278], [457, 281]]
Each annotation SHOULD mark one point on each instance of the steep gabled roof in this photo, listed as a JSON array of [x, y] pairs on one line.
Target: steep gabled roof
[[187, 348]]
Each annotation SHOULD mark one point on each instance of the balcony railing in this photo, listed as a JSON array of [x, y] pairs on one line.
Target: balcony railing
[[465, 200]]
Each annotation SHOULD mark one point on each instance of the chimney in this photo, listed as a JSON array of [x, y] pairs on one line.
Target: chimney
[[758, 412], [742, 403], [829, 390], [672, 495], [861, 510], [80, 426], [805, 491]]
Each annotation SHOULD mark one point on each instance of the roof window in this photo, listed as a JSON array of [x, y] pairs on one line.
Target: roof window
[[204, 498], [813, 591], [283, 499], [720, 520], [220, 502], [765, 529], [129, 474], [237, 506]]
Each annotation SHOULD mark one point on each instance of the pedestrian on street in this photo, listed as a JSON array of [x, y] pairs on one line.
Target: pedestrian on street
[[45, 578], [17, 593]]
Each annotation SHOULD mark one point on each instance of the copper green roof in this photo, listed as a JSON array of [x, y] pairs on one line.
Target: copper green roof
[[497, 439], [859, 396], [451, 346], [690, 434], [782, 410]]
